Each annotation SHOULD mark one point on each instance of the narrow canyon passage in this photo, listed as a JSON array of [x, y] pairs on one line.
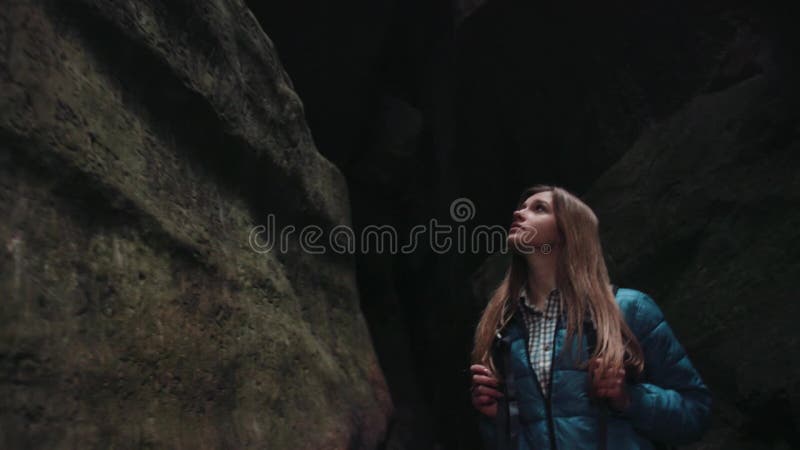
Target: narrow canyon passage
[[152, 152]]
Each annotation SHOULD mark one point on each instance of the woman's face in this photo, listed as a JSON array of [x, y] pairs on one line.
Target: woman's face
[[534, 223]]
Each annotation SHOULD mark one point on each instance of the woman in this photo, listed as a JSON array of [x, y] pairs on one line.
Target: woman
[[587, 368]]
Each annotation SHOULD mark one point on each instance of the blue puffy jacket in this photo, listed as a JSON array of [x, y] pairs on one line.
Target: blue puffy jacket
[[670, 404]]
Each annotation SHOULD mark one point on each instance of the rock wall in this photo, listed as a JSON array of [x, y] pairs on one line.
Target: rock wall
[[141, 143]]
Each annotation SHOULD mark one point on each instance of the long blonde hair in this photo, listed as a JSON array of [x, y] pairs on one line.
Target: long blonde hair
[[583, 282]]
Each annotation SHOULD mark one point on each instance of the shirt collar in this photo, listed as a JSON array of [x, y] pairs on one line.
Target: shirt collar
[[524, 300]]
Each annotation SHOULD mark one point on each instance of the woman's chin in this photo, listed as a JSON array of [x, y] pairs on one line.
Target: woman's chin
[[516, 244]]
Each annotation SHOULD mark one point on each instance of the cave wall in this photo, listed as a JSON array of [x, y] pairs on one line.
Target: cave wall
[[141, 143]]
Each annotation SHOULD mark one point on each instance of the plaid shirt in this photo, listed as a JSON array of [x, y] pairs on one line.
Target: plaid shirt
[[541, 327]]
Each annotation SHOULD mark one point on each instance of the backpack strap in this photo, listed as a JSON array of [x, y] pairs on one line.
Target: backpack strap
[[507, 419]]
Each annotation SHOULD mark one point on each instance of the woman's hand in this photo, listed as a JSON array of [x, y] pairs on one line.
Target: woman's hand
[[484, 390], [609, 383]]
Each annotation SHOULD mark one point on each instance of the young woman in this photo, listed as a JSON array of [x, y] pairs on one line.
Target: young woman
[[587, 368]]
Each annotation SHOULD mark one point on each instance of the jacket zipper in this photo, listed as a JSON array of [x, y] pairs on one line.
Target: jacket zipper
[[550, 426]]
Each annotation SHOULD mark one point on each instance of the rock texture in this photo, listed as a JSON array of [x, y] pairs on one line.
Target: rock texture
[[141, 143]]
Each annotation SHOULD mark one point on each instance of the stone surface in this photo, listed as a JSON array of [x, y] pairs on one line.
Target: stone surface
[[141, 143]]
